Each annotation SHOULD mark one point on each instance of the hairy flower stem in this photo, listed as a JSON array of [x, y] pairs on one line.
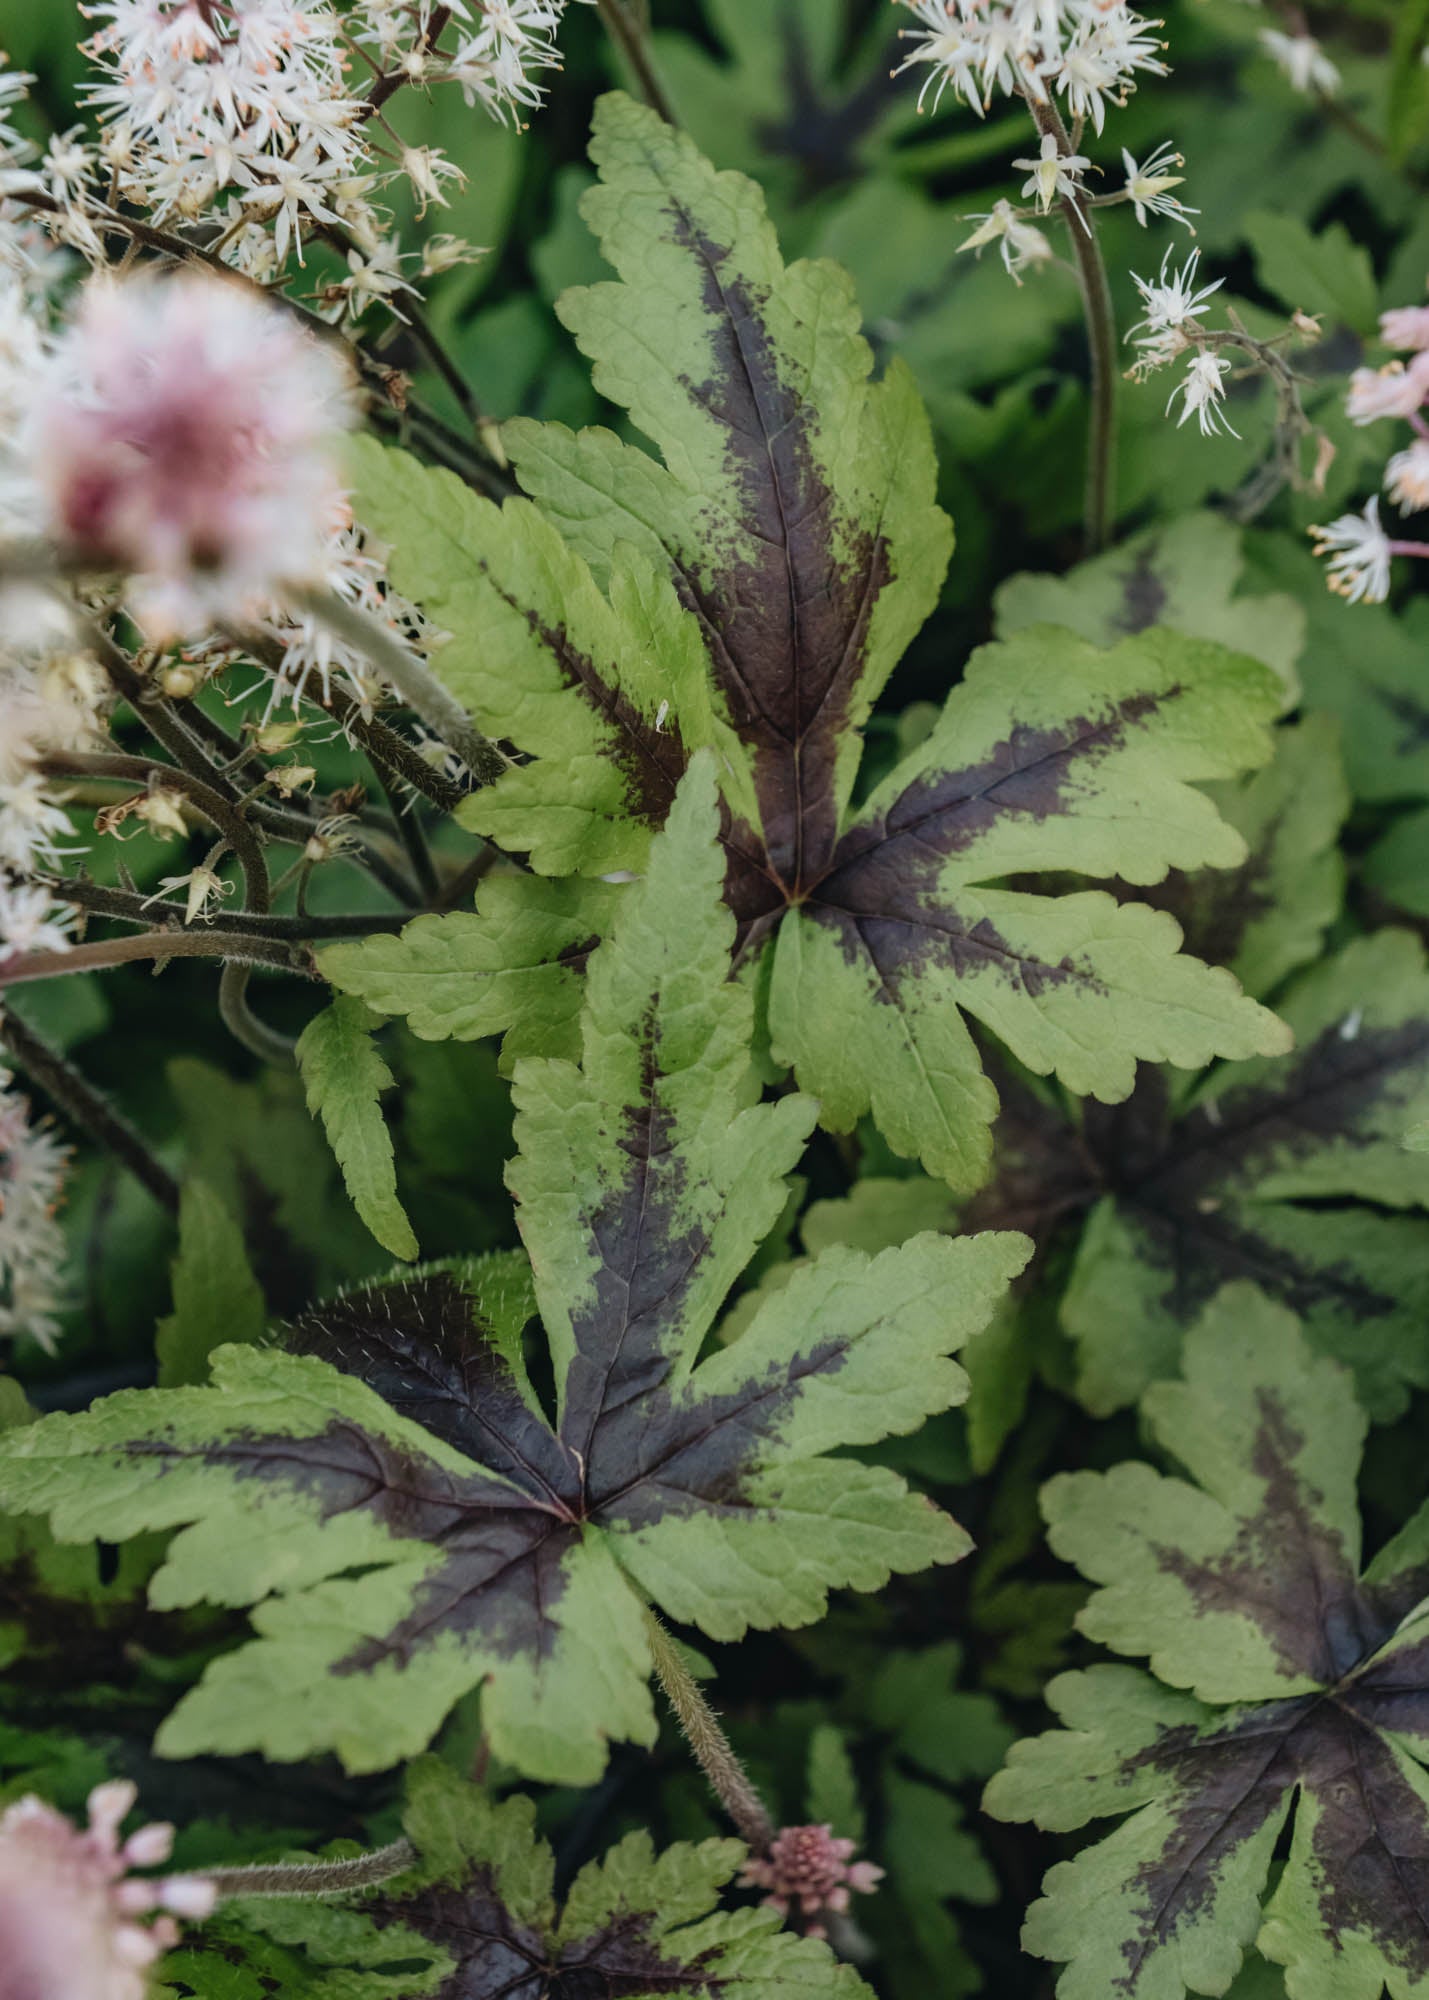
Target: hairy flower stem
[[415, 683], [85, 1107], [314, 1878], [630, 37], [246, 947], [713, 1751], [1101, 340]]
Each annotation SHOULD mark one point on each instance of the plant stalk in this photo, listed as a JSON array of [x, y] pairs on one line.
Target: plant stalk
[[85, 1107], [1100, 512], [630, 38], [314, 1878], [713, 1751], [415, 683]]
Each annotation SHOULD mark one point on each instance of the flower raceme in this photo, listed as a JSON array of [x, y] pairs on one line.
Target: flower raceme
[[73, 1918], [33, 1163], [1086, 51], [181, 432]]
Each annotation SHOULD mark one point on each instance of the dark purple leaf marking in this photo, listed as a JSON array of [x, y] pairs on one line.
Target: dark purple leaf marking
[[1188, 1186], [498, 1957], [1370, 1843], [1291, 1574], [631, 1450]]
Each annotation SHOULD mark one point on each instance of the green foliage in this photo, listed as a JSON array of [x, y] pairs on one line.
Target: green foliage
[[481, 1896], [344, 1077], [646, 609], [426, 1526], [1306, 1694], [217, 1300], [1080, 903]]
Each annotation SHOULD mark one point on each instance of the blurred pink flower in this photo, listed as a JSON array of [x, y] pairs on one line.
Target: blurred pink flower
[[1392, 391], [182, 432], [1406, 326], [72, 1916], [809, 1870]]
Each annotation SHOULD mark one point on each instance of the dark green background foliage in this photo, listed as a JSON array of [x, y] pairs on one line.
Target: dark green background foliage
[[1240, 1472]]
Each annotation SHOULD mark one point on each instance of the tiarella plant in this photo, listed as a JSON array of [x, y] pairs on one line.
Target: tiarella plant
[[668, 1144]]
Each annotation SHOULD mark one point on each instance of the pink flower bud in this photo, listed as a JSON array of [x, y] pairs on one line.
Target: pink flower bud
[[809, 1866]]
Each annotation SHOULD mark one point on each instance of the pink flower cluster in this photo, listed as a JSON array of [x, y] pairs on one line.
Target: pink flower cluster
[[809, 1870], [73, 1920], [182, 432], [1400, 389]]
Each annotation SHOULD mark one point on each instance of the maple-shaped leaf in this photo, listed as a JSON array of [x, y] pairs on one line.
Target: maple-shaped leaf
[[752, 589], [1186, 574], [409, 1521], [477, 1918], [1286, 1689], [1290, 1172]]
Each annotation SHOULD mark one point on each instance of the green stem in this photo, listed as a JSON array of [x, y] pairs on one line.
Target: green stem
[[713, 1751], [1101, 341], [314, 1878], [630, 38]]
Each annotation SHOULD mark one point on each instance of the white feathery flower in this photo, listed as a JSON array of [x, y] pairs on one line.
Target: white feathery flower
[[1406, 477], [1148, 186], [1303, 61], [1019, 242], [1202, 392], [182, 433], [197, 97], [1172, 301], [496, 63], [1360, 555], [1054, 176], [312, 654], [75, 1922], [1089, 50]]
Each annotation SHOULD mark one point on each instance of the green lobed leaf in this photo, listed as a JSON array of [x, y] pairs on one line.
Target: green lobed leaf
[[344, 1077], [413, 1525], [217, 1299], [1312, 1696], [751, 590], [511, 966], [477, 1915]]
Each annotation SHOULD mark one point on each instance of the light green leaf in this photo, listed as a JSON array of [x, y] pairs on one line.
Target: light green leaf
[[216, 1297], [344, 1077]]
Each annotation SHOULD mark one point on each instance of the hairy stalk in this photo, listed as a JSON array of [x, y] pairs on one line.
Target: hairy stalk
[[415, 683], [713, 1751], [87, 1108], [127, 906], [314, 1878], [1100, 513], [245, 946], [630, 37]]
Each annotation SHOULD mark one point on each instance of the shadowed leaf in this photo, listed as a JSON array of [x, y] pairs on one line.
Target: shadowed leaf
[[1310, 1700], [477, 1919], [413, 1521]]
